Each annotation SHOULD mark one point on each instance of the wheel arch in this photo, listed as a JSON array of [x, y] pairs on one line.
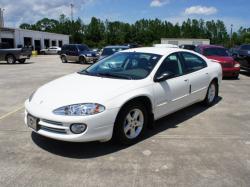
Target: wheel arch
[[144, 100], [9, 54]]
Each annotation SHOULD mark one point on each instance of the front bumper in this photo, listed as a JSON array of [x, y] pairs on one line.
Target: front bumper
[[91, 59], [99, 126], [231, 72]]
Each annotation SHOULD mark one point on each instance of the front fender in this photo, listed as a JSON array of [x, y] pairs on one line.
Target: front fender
[[122, 99]]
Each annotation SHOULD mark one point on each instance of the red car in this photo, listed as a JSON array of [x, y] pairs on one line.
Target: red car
[[230, 67]]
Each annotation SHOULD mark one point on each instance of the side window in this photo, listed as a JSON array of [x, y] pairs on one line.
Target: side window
[[193, 62], [171, 65]]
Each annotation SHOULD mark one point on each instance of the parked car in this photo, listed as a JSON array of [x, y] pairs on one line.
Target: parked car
[[242, 54], [132, 45], [11, 55], [219, 54], [120, 101], [78, 53], [165, 46], [188, 47], [51, 50], [110, 50]]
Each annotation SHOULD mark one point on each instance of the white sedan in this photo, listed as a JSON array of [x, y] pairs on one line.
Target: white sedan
[[51, 50], [121, 95]]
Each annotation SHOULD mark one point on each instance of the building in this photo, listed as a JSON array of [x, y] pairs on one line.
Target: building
[[38, 40], [183, 41]]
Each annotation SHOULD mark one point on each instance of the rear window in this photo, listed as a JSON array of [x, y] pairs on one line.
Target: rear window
[[215, 52], [65, 47]]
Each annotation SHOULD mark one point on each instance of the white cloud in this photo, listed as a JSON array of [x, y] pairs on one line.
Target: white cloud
[[200, 10], [19, 11], [158, 3]]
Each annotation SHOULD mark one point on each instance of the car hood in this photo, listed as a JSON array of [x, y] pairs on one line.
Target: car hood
[[92, 53], [77, 88], [221, 59]]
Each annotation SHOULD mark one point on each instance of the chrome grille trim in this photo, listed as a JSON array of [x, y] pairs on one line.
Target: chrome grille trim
[[53, 130], [52, 122]]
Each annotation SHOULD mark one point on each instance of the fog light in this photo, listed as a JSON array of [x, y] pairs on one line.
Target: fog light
[[78, 128]]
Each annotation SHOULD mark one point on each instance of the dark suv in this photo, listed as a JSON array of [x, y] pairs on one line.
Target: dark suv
[[78, 53], [242, 55]]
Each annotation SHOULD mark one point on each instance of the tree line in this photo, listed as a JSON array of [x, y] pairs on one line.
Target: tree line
[[145, 32]]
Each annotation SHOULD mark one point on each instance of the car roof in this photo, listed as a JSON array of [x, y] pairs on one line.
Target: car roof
[[156, 50], [117, 46], [210, 46]]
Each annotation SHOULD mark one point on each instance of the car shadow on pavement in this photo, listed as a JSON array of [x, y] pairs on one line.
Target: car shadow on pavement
[[97, 149], [26, 63]]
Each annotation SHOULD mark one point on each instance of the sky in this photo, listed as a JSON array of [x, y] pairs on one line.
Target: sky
[[29, 11]]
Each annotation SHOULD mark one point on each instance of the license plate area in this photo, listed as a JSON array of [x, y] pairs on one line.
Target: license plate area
[[32, 122]]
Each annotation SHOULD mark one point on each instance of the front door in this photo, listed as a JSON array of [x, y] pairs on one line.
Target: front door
[[171, 94]]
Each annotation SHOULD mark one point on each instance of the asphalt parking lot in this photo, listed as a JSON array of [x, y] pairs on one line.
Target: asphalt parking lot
[[196, 146]]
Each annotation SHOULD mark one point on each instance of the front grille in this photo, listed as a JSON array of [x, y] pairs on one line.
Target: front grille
[[52, 122], [53, 130], [227, 65]]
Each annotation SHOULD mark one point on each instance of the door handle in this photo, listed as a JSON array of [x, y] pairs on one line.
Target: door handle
[[186, 80]]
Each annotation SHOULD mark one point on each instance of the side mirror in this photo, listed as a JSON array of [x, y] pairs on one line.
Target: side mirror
[[164, 76]]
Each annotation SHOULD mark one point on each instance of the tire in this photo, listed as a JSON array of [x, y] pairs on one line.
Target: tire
[[82, 60], [11, 59], [21, 61], [64, 59], [212, 94], [128, 128], [42, 53]]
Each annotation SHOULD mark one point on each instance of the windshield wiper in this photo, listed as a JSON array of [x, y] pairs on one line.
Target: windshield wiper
[[83, 72], [114, 75]]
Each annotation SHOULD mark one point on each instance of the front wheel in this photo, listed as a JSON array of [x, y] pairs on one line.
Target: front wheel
[[130, 124], [212, 94], [82, 60]]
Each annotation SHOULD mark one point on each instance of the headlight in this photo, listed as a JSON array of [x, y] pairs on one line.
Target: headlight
[[236, 65], [83, 109], [31, 96]]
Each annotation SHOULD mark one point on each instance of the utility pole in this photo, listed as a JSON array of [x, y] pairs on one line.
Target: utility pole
[[71, 11], [1, 17], [231, 35]]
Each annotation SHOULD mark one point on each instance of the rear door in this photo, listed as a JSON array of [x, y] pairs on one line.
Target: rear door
[[172, 94], [196, 70]]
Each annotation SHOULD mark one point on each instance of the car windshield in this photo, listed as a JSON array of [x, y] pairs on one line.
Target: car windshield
[[83, 48], [124, 65], [110, 51], [216, 51], [245, 47]]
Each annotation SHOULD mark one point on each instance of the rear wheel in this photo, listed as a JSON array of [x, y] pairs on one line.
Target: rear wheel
[[21, 61], [212, 94], [64, 59], [11, 59], [130, 124]]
